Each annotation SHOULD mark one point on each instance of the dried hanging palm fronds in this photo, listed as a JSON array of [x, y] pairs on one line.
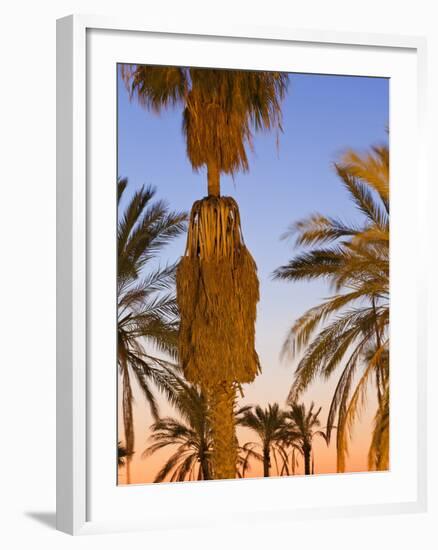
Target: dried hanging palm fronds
[[218, 291]]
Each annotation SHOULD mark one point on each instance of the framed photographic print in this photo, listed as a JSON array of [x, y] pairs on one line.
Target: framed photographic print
[[239, 337]]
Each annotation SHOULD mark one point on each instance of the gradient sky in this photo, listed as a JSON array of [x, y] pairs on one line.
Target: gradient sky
[[322, 117]]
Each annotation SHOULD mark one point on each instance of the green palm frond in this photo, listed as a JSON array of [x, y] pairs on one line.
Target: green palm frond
[[143, 230], [147, 312], [190, 434], [318, 229], [315, 264], [362, 196], [337, 333], [372, 168]]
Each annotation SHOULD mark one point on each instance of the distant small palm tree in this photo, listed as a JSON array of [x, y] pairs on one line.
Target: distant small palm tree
[[302, 428], [147, 316], [190, 434], [246, 454], [269, 425]]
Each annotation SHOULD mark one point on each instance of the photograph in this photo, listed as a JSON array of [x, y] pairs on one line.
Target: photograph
[[253, 308], [228, 345]]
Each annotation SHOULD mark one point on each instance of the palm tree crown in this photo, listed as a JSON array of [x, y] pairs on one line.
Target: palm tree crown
[[221, 109], [269, 425]]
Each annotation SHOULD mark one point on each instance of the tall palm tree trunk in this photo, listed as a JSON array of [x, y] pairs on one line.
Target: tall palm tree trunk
[[205, 469], [222, 418]]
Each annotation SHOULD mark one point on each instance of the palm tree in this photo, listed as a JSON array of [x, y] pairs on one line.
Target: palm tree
[[191, 434], [147, 317], [354, 259], [269, 425], [217, 285], [301, 431]]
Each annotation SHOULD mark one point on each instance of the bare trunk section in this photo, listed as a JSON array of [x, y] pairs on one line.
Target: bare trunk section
[[128, 470], [204, 467], [266, 461], [224, 457], [213, 176], [307, 449]]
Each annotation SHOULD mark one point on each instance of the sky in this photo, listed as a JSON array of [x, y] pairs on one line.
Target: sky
[[323, 115]]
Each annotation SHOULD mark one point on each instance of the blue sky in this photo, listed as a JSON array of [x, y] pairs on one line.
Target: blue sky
[[322, 117]]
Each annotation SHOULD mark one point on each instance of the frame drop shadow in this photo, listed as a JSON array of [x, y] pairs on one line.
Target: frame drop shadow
[[45, 518]]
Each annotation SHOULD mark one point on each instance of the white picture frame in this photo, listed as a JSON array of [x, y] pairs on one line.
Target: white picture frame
[[76, 400]]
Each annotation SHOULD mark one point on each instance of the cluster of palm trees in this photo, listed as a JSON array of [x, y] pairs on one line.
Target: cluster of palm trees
[[346, 336], [283, 436]]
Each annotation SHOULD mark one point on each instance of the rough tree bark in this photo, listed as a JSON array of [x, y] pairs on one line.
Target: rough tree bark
[[266, 461], [213, 176], [224, 457]]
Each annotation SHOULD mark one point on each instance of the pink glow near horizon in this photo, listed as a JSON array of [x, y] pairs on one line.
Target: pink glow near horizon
[[267, 388], [322, 115]]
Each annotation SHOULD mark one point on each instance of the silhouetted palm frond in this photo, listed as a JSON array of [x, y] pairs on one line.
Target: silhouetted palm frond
[[121, 454], [269, 425], [190, 435], [301, 428]]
